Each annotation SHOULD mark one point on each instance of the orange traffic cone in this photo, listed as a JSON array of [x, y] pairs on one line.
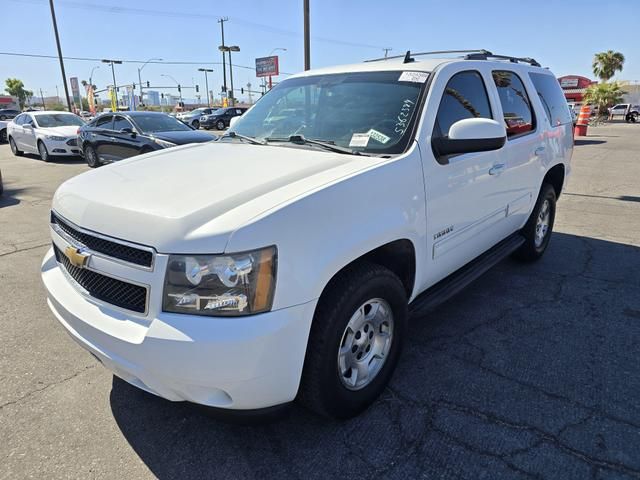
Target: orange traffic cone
[[583, 121]]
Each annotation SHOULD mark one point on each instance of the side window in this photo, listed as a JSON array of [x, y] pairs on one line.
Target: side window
[[516, 106], [104, 122], [465, 96], [19, 119], [120, 122], [28, 120], [552, 98]]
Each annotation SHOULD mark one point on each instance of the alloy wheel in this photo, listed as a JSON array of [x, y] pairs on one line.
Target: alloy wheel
[[542, 223]]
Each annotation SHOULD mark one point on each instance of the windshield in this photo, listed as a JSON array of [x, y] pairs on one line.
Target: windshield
[[58, 120], [365, 111], [159, 123]]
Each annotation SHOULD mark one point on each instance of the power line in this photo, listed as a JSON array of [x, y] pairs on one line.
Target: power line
[[118, 10], [163, 62]]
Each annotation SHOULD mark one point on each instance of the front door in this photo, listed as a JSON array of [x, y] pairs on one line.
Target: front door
[[466, 207], [123, 143]]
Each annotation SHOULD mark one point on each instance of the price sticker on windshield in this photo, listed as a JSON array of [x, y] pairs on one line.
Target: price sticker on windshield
[[359, 140], [415, 77]]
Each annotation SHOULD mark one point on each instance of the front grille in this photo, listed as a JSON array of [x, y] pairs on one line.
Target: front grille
[[72, 142], [107, 247], [110, 290]]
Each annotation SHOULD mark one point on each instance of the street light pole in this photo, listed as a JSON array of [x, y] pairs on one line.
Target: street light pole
[[64, 75], [206, 82], [139, 76], [233, 48], [224, 68], [113, 73], [179, 89]]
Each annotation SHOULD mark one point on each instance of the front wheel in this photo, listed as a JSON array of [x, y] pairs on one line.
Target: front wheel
[[537, 230], [44, 153], [196, 124], [355, 341], [220, 125], [3, 135], [91, 156]]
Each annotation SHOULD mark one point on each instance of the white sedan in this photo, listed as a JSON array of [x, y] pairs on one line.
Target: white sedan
[[45, 133]]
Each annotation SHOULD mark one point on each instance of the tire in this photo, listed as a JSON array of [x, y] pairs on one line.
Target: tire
[[220, 125], [3, 117], [328, 387], [196, 124], [534, 232], [44, 153], [632, 118], [3, 135], [14, 148], [91, 156]]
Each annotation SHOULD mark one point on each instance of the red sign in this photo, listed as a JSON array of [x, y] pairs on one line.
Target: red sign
[[267, 66]]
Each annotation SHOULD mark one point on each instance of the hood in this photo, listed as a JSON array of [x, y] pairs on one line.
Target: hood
[[68, 131], [190, 199], [183, 137]]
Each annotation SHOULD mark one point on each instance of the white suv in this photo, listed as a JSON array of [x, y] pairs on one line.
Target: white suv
[[283, 261]]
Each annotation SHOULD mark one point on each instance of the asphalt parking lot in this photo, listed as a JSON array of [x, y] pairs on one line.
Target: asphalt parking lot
[[532, 372]]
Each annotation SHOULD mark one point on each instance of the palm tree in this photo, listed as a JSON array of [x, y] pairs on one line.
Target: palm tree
[[606, 64], [603, 95]]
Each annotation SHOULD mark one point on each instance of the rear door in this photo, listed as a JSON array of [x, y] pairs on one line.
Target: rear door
[[15, 130], [525, 149], [29, 141]]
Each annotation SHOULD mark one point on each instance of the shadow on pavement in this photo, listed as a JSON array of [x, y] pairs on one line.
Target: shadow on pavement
[[61, 160], [531, 371], [624, 198], [579, 142], [8, 197]]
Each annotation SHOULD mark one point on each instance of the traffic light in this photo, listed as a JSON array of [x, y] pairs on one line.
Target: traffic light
[[162, 96], [242, 90], [179, 88], [197, 89], [148, 84]]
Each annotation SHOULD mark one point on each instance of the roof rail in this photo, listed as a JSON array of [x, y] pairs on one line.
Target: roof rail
[[487, 55], [409, 56]]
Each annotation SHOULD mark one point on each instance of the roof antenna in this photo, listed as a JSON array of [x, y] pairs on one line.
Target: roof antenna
[[407, 57]]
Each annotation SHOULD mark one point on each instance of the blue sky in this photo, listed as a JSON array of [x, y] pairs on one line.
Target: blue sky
[[562, 35]]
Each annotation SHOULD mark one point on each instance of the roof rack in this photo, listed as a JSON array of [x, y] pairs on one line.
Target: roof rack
[[486, 55], [479, 54], [408, 57]]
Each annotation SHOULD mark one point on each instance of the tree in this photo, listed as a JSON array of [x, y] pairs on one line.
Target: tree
[[606, 64], [15, 88], [603, 96]]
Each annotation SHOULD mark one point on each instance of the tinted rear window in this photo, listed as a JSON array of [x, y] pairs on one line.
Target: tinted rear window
[[552, 98]]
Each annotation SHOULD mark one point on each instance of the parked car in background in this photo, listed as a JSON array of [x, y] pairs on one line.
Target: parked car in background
[[281, 262], [46, 133], [628, 111], [8, 113], [3, 131], [221, 117], [192, 118], [115, 136]]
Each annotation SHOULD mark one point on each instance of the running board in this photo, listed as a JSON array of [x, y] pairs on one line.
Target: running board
[[458, 280]]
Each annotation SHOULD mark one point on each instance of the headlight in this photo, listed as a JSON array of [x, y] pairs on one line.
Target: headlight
[[55, 138], [164, 144], [220, 285]]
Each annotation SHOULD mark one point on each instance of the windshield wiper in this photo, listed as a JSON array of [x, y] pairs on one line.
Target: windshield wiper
[[255, 141], [301, 140]]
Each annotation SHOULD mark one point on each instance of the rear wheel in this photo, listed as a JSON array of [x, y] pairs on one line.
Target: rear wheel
[[14, 147], [537, 230], [91, 156], [355, 341], [3, 135], [44, 153]]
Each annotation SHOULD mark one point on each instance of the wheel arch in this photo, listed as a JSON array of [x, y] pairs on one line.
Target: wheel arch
[[555, 177]]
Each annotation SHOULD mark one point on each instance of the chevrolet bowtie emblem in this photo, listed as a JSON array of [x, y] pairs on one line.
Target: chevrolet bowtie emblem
[[77, 257]]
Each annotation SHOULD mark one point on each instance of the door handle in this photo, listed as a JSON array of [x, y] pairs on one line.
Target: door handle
[[496, 169], [539, 151]]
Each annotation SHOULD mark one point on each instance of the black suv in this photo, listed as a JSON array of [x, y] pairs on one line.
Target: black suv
[[115, 136], [7, 113], [220, 118]]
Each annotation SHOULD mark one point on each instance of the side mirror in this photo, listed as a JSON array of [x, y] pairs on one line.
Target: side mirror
[[471, 135], [128, 131], [28, 125], [233, 121]]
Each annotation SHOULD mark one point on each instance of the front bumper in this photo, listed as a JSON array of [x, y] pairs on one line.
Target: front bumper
[[55, 147], [239, 363]]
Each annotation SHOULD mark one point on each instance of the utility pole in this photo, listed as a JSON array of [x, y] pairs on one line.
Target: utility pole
[[64, 75], [224, 68], [307, 52], [42, 97], [386, 51]]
